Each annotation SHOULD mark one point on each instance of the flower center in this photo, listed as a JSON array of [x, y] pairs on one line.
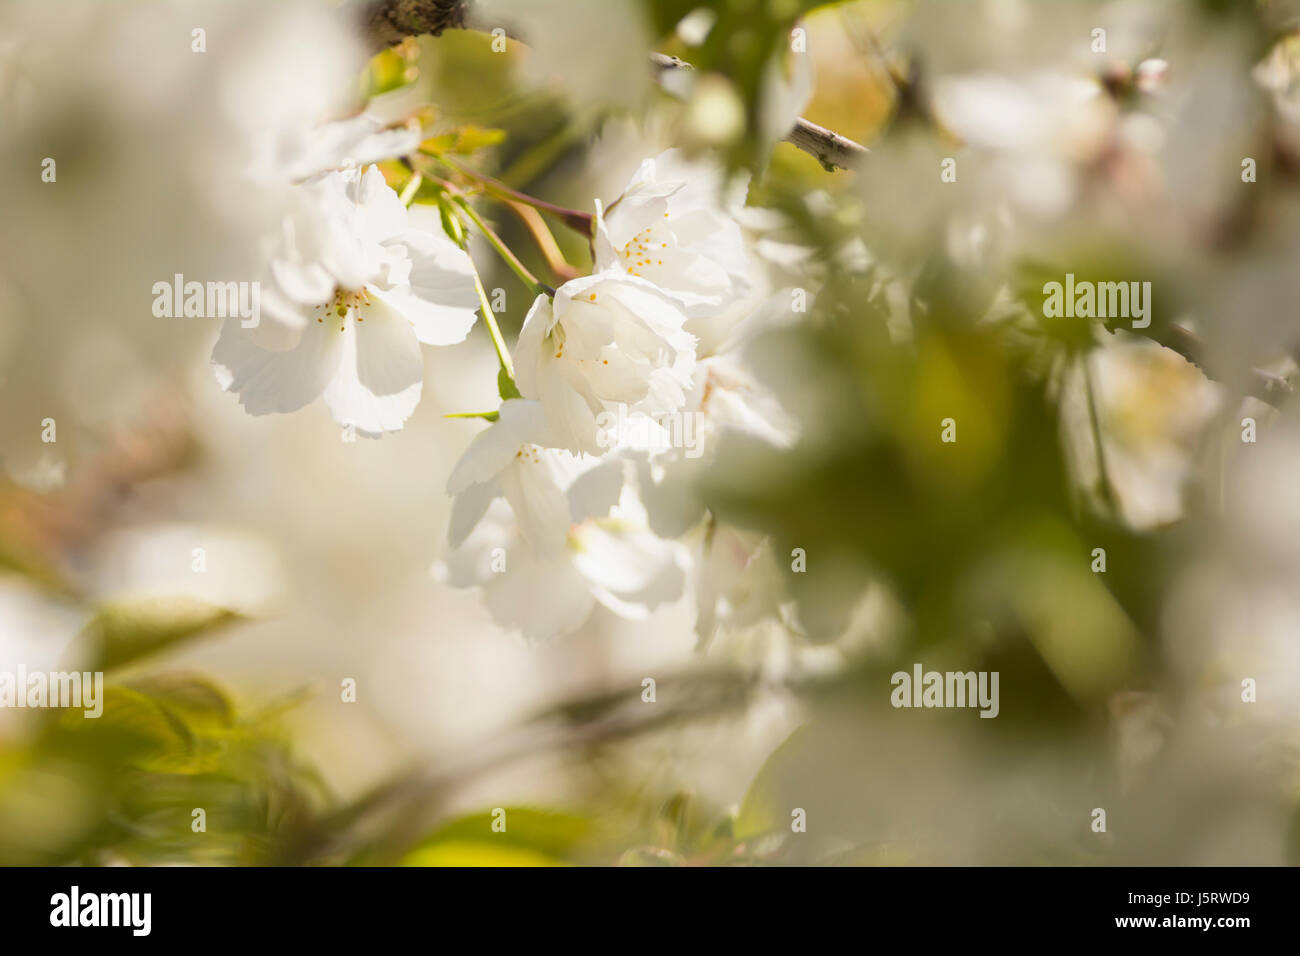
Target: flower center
[[344, 301], [645, 250]]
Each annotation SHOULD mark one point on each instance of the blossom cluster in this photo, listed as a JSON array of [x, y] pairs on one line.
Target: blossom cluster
[[580, 490]]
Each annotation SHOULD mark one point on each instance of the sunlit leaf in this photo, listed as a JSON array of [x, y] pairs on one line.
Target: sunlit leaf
[[122, 632], [462, 141], [530, 838]]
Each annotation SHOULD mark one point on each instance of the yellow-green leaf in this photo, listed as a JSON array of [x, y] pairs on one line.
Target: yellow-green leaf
[[124, 631]]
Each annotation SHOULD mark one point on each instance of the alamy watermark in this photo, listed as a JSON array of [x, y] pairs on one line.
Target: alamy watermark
[[923, 688], [208, 300], [75, 908], [676, 430], [66, 689], [1098, 300]]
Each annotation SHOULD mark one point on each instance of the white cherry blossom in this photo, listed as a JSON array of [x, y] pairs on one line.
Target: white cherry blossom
[[607, 339], [354, 288], [671, 226], [507, 460], [612, 559]]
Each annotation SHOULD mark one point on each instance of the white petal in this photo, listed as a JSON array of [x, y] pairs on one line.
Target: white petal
[[380, 375], [543, 599], [606, 255], [306, 283], [593, 493], [578, 288], [783, 97], [360, 140], [380, 214], [570, 422], [627, 563], [703, 183], [666, 389], [442, 276], [673, 505], [494, 448], [433, 324], [471, 563], [325, 231], [630, 572], [653, 308], [528, 349], [467, 510], [641, 206], [384, 144], [275, 381], [539, 505], [285, 315]]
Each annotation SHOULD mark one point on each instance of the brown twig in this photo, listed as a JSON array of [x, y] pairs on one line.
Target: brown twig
[[831, 149], [390, 21]]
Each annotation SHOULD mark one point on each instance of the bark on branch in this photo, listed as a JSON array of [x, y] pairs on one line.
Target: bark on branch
[[389, 21]]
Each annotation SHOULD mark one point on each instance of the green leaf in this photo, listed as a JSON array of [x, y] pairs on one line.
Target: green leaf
[[428, 193], [477, 853], [486, 416], [142, 732], [531, 838], [201, 704], [125, 631], [506, 386], [463, 141], [762, 811], [451, 223], [387, 71]]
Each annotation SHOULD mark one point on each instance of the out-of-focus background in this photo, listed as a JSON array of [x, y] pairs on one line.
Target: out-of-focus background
[[264, 595]]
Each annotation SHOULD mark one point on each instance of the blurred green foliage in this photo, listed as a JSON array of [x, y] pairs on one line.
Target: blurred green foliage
[[125, 787]]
